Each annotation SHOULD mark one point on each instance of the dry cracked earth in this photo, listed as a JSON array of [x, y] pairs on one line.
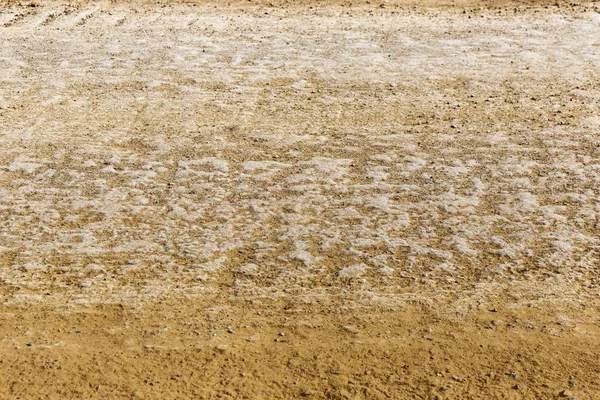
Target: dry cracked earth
[[299, 200]]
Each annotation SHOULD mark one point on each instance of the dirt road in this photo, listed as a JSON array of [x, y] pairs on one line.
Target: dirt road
[[299, 200]]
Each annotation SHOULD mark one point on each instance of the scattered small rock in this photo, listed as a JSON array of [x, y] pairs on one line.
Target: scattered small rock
[[222, 348], [350, 329], [512, 374]]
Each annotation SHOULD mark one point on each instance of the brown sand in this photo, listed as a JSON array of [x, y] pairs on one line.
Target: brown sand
[[299, 200]]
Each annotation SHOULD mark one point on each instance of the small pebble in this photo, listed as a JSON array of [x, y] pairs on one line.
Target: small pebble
[[222, 348], [512, 374]]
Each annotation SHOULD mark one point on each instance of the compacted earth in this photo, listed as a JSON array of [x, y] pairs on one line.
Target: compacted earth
[[276, 200]]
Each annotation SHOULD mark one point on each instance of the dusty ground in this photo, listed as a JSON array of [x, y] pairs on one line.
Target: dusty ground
[[299, 200]]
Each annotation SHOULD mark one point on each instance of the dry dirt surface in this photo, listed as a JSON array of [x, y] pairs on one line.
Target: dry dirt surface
[[285, 200]]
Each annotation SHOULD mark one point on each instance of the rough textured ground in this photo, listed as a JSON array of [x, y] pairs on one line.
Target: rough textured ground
[[296, 200]]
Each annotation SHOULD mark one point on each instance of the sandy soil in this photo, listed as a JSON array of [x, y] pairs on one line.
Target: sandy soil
[[303, 200]]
